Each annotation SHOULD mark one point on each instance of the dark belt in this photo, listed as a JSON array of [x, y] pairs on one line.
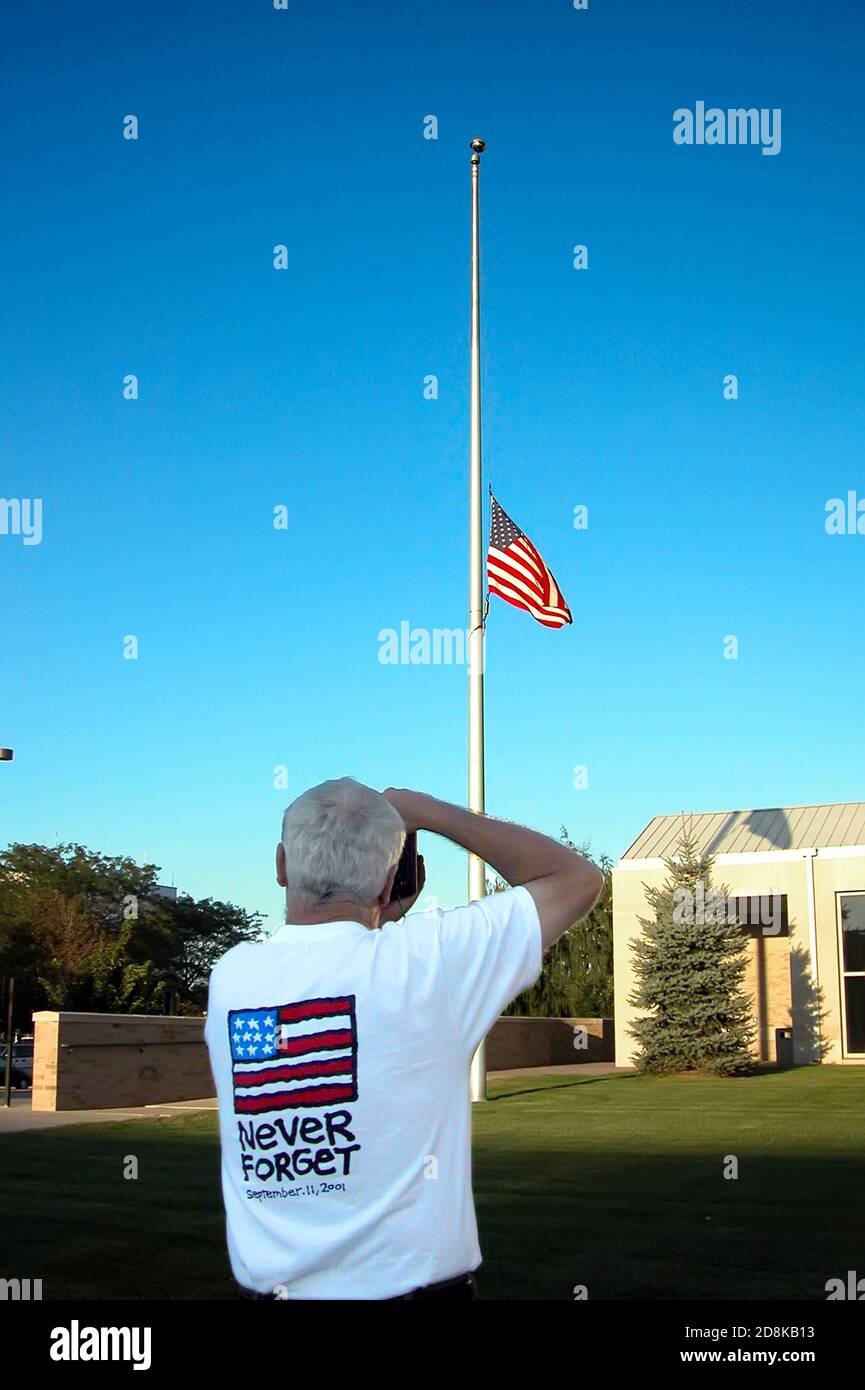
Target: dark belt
[[462, 1286]]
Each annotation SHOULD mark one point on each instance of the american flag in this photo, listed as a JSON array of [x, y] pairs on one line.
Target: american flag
[[293, 1054], [516, 572]]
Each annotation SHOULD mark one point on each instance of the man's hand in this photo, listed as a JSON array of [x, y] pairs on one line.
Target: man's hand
[[400, 906], [411, 806]]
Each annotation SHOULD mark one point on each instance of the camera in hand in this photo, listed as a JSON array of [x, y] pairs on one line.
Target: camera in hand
[[405, 882]]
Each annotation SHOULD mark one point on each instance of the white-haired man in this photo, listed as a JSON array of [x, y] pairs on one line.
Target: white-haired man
[[341, 1047]]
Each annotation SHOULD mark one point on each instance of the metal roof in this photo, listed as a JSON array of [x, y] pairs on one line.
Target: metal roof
[[753, 832]]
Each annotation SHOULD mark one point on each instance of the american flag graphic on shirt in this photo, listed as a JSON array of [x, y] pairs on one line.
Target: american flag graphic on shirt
[[516, 572], [293, 1054]]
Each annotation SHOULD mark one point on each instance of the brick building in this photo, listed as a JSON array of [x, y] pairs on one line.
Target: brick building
[[796, 883]]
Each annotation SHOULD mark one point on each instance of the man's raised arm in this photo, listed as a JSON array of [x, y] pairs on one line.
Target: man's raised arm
[[564, 885]]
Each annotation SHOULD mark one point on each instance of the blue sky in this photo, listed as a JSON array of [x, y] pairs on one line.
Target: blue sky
[[304, 388]]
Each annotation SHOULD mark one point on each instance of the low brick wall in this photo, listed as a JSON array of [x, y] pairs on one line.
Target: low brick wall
[[548, 1042], [106, 1061]]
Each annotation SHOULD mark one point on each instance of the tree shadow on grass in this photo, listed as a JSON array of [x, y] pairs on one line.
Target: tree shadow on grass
[[638, 1223], [563, 1085]]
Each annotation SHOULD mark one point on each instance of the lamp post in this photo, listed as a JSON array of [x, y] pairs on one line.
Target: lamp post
[[6, 756], [10, 1005]]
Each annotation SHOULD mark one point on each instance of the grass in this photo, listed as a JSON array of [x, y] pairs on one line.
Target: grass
[[614, 1182]]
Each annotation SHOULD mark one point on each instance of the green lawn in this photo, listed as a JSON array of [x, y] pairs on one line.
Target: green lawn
[[612, 1182]]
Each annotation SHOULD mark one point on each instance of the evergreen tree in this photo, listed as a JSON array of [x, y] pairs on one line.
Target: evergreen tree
[[577, 976], [689, 968]]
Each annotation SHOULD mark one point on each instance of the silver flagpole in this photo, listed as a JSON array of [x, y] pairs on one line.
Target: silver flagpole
[[477, 868]]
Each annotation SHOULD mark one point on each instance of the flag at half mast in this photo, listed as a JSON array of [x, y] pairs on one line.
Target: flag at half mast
[[516, 572]]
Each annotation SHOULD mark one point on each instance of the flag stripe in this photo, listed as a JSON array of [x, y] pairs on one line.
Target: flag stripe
[[314, 1027], [300, 1071], [306, 1059], [284, 1091], [313, 1095], [313, 1008], [315, 1042]]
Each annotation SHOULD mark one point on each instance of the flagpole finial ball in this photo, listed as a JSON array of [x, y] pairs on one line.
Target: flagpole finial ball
[[479, 145]]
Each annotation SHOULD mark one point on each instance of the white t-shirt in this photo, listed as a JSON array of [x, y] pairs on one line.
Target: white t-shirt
[[341, 1059]]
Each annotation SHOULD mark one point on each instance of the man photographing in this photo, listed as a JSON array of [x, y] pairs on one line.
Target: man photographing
[[341, 1046]]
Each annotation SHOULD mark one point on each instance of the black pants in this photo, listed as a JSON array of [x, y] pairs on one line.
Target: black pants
[[464, 1286]]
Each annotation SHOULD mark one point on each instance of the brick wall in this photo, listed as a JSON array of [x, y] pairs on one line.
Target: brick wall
[[546, 1042], [106, 1061], [110, 1061], [767, 981]]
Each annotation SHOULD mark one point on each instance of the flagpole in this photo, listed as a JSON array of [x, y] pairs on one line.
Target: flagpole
[[477, 868]]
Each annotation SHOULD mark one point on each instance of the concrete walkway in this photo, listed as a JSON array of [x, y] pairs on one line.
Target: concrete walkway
[[20, 1116]]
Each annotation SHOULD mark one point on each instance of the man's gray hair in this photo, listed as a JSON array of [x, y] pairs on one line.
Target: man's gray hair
[[341, 840]]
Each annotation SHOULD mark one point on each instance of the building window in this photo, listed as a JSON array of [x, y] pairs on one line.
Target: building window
[[760, 914], [851, 926]]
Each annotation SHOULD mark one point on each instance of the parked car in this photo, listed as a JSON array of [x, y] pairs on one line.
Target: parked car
[[22, 1065]]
